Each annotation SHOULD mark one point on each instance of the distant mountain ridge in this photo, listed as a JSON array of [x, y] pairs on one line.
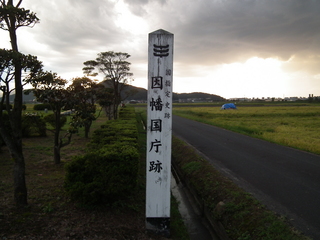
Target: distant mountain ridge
[[140, 94], [198, 96]]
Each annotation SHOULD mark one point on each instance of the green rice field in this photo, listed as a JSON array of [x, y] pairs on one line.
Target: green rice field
[[293, 126]]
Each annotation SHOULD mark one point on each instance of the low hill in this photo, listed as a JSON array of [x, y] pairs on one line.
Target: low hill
[[197, 96], [140, 94]]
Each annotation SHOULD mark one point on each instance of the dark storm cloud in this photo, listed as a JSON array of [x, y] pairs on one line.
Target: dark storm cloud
[[70, 26], [227, 31], [71, 32], [207, 32], [213, 32]]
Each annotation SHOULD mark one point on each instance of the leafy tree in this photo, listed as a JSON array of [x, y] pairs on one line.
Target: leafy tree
[[13, 17], [105, 100], [85, 92], [116, 72], [29, 65], [50, 88]]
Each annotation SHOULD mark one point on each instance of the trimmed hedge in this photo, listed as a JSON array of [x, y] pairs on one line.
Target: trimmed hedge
[[126, 113], [115, 131], [33, 125], [103, 177], [42, 107], [24, 107], [4, 107], [109, 171]]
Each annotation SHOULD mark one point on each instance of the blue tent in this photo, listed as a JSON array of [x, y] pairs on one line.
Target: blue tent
[[228, 106]]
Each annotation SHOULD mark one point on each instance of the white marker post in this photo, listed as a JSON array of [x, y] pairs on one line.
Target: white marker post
[[159, 131]]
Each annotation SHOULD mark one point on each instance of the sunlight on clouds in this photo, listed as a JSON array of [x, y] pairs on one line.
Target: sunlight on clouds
[[254, 78], [28, 44], [140, 69], [317, 76], [127, 21]]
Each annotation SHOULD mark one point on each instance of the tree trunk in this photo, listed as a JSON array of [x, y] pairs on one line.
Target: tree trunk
[[56, 149], [87, 127], [115, 110], [109, 111], [116, 99], [20, 189], [15, 149], [13, 139], [56, 153]]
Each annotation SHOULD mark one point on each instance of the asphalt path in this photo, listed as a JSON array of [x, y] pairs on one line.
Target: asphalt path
[[286, 180]]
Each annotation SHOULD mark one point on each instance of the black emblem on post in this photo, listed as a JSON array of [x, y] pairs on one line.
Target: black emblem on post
[[160, 51]]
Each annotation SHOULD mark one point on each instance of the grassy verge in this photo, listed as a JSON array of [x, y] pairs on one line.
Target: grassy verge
[[241, 215]]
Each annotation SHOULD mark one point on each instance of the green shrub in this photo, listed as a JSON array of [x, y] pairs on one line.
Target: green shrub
[[33, 124], [24, 107], [114, 131], [105, 176], [52, 120], [42, 106], [4, 107], [109, 171], [126, 113]]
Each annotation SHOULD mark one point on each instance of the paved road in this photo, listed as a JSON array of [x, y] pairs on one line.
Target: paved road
[[284, 179]]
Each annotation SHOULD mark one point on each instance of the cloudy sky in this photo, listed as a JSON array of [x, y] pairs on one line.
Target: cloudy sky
[[232, 48]]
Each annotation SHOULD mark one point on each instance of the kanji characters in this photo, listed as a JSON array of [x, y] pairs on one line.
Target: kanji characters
[[156, 125], [155, 166], [156, 104], [156, 82], [156, 144]]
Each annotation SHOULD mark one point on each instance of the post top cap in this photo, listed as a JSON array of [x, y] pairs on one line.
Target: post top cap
[[161, 31]]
